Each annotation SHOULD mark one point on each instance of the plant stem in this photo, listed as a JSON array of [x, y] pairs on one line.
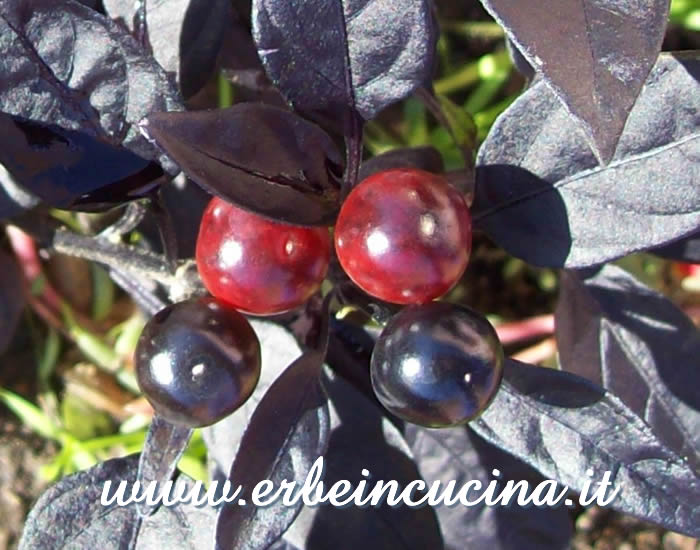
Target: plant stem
[[165, 443], [225, 89], [465, 77], [144, 297], [132, 217], [141, 26], [103, 293], [447, 120], [166, 229], [353, 147], [135, 261]]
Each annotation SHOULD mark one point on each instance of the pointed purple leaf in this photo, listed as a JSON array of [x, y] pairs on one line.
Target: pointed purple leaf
[[185, 35], [595, 54], [65, 64], [565, 426], [264, 159], [335, 55], [541, 195], [616, 332]]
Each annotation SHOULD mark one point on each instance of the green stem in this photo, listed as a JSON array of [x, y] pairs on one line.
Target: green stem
[[96, 350], [49, 358], [465, 77], [103, 292], [474, 29], [483, 94], [105, 442], [225, 92]]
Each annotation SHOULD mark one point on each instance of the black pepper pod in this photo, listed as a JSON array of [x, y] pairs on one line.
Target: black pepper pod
[[437, 364], [197, 361]]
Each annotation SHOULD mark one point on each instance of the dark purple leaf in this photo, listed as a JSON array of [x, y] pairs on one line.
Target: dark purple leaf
[[248, 77], [63, 63], [242, 9], [425, 158], [595, 54], [288, 431], [67, 168], [239, 55], [349, 353], [259, 157], [683, 250], [363, 438], [459, 454], [70, 515], [340, 55], [242, 66], [616, 332], [11, 299], [185, 202], [137, 186], [564, 425], [185, 35], [541, 196]]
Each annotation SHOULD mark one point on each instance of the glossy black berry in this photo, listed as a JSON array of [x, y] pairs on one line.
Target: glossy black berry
[[197, 361], [437, 364]]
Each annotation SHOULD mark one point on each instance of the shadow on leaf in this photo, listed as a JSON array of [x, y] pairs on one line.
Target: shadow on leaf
[[537, 230]]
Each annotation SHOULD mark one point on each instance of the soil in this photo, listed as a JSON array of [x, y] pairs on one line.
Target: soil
[[22, 452], [21, 456], [599, 529]]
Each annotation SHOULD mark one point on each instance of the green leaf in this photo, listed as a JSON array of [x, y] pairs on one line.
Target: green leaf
[[461, 124], [103, 292], [416, 123], [82, 420], [30, 414]]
